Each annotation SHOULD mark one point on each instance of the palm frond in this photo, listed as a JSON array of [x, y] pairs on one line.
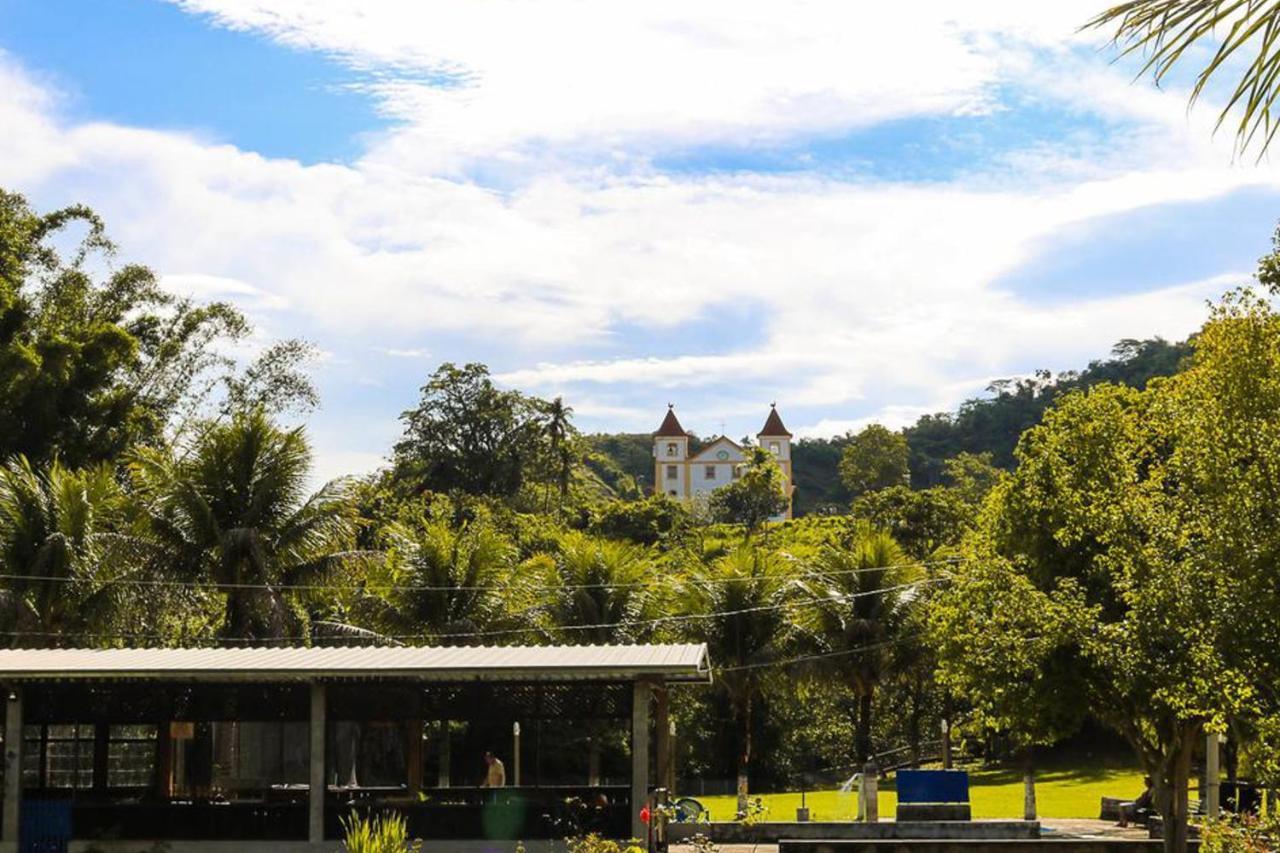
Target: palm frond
[[1165, 30]]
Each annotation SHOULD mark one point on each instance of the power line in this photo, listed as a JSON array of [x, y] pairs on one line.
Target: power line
[[396, 587], [473, 635], [816, 656]]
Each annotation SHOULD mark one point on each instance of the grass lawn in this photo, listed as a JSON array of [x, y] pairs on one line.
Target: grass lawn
[[1060, 792]]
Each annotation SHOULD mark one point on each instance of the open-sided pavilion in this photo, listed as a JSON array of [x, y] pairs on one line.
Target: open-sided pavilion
[[270, 748]]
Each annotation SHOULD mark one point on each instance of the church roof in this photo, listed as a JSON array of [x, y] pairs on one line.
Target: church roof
[[773, 425], [671, 425]]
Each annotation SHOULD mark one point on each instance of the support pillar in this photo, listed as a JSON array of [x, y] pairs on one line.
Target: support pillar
[[12, 771], [639, 756], [446, 755], [316, 794], [662, 738], [1212, 776]]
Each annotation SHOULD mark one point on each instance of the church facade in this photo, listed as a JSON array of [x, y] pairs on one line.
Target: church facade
[[686, 476]]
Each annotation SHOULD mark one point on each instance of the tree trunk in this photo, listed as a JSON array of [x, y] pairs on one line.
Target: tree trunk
[[913, 723], [1029, 783], [862, 739], [744, 753], [946, 731], [1173, 802]]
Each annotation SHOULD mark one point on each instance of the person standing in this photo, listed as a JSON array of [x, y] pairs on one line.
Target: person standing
[[496, 775]]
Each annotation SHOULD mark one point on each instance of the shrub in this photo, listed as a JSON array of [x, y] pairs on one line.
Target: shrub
[[384, 833], [1241, 834], [593, 843]]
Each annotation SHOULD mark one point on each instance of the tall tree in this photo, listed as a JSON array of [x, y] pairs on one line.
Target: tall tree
[[755, 496], [860, 589], [875, 458], [559, 429], [738, 607], [1138, 535], [468, 435], [91, 367], [233, 512]]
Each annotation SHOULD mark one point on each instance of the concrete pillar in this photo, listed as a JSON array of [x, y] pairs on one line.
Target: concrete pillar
[[871, 793], [1212, 776], [639, 755], [446, 755], [662, 739], [316, 795], [12, 771]]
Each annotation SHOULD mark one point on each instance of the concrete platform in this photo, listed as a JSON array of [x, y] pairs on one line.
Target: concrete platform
[[772, 832], [976, 845]]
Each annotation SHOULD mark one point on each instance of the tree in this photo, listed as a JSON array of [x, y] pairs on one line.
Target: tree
[[875, 458], [860, 589], [1166, 30], [971, 476], [755, 496], [737, 608], [1138, 537], [444, 580], [559, 429], [920, 520], [468, 435], [55, 533], [602, 585], [89, 368], [233, 512]]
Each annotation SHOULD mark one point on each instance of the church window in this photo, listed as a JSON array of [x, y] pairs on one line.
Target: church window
[[672, 472], [774, 448], [710, 472], [671, 448]]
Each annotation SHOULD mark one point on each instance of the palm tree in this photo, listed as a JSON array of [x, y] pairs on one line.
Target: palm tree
[[603, 587], [234, 512], [737, 604], [558, 429], [1164, 30], [55, 529], [447, 581], [860, 592]]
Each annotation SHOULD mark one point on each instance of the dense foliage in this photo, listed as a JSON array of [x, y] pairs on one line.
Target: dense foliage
[[1117, 566]]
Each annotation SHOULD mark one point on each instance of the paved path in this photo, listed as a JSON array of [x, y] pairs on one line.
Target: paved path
[[1053, 827]]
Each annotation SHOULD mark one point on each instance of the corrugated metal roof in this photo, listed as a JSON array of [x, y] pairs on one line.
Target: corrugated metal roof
[[685, 662]]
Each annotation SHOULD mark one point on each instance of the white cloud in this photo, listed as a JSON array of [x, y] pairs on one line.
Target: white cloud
[[870, 292]]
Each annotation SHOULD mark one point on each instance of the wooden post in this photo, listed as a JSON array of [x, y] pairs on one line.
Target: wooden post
[[639, 755], [12, 770], [318, 789]]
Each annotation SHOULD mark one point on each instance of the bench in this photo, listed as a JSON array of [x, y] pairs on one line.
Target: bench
[[933, 795]]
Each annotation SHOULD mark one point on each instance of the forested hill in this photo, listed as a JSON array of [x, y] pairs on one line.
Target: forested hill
[[984, 424]]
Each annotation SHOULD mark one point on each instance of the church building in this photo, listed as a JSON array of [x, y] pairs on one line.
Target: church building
[[718, 463]]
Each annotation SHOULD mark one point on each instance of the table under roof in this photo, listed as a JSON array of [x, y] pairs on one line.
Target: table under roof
[[197, 745]]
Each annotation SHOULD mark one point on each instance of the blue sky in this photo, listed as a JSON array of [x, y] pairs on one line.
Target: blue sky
[[864, 215]]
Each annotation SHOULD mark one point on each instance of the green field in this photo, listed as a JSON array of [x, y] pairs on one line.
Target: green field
[[1061, 792]]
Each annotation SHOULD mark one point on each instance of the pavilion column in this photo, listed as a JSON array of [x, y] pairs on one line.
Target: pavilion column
[[662, 738], [318, 788], [639, 755], [12, 771]]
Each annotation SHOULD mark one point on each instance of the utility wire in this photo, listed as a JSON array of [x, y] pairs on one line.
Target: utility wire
[[367, 587], [660, 620]]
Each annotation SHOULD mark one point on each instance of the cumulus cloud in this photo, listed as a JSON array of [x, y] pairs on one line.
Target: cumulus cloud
[[516, 208]]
